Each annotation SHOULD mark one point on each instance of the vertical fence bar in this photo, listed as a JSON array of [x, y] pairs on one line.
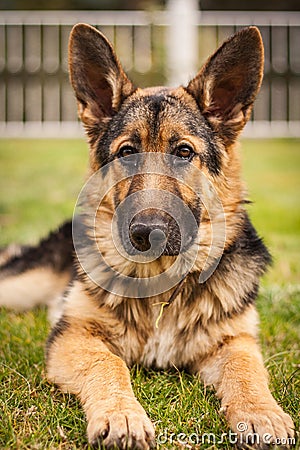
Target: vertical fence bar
[[3, 60], [182, 41]]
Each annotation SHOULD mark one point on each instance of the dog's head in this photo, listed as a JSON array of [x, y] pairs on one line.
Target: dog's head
[[169, 153]]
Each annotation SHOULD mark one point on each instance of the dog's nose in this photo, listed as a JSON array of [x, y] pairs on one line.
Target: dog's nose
[[145, 235]]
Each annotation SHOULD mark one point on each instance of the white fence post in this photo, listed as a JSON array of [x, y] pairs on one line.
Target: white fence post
[[182, 41]]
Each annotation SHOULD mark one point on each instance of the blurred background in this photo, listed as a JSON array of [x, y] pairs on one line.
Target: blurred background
[[157, 41]]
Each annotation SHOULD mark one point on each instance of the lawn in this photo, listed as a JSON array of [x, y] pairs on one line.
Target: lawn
[[39, 184]]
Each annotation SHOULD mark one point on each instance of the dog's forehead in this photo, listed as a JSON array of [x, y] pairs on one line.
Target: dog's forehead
[[161, 112], [155, 119], [161, 103]]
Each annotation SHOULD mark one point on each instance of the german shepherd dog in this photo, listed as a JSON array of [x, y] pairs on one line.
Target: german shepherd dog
[[161, 264]]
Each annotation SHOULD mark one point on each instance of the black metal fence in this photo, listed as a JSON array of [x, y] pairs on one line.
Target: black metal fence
[[36, 98]]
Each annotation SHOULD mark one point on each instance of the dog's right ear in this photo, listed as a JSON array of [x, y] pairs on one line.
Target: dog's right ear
[[99, 82]]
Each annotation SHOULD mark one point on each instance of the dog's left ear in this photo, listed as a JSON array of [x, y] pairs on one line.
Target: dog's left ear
[[226, 86], [99, 82]]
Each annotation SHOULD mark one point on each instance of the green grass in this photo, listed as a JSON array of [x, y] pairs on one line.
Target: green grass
[[272, 171], [39, 184]]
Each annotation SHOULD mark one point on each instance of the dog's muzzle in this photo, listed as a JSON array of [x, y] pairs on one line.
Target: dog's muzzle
[[155, 232], [146, 233]]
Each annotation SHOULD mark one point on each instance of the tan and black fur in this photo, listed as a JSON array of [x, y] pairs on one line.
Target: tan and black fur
[[209, 328]]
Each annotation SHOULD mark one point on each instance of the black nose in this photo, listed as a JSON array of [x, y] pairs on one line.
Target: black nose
[[144, 234]]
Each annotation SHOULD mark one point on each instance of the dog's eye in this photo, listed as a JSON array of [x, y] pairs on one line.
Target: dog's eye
[[125, 151], [184, 152], [128, 156]]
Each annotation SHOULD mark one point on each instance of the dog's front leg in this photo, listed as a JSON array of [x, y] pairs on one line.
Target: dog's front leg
[[241, 381], [82, 364]]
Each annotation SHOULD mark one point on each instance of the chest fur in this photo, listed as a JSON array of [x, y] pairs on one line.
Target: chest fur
[[184, 334]]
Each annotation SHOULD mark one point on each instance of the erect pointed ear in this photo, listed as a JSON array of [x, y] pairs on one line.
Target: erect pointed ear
[[99, 82], [226, 86]]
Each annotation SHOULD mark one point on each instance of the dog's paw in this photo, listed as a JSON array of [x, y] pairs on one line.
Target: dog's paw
[[125, 427], [261, 425]]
